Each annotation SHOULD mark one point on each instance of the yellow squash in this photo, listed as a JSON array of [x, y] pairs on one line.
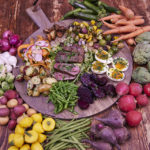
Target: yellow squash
[[19, 129], [41, 138], [11, 138], [37, 117], [31, 136], [48, 124], [18, 140], [36, 146], [26, 122], [38, 127], [25, 147], [13, 148]]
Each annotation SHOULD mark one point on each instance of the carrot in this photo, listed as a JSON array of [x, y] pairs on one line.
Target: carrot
[[112, 16], [125, 22], [123, 29], [40, 64], [114, 20], [111, 26], [127, 12], [131, 41], [138, 17], [133, 34]]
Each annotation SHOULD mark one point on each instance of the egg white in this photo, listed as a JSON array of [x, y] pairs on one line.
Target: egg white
[[109, 73], [105, 68], [127, 66], [107, 61]]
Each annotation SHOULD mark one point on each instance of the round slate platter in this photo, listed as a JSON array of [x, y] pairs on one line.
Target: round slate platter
[[40, 103]]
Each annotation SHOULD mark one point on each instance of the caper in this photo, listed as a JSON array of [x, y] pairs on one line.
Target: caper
[[102, 42]]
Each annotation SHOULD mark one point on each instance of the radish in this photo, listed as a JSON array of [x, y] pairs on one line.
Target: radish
[[135, 89], [142, 100], [147, 89], [122, 88], [133, 118], [127, 103]]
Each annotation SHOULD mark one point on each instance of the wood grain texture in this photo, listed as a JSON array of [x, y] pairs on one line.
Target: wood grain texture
[[14, 17]]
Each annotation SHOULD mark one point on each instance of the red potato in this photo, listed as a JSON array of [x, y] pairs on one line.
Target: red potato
[[12, 124], [10, 94], [3, 100], [4, 112], [142, 100], [19, 110], [122, 88], [147, 89], [127, 103], [133, 118], [20, 101], [135, 89]]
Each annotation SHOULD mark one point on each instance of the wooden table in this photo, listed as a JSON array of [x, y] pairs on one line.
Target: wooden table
[[14, 17]]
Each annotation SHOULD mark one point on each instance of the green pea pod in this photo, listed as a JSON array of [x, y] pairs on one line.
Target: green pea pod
[[91, 6], [70, 13], [85, 16]]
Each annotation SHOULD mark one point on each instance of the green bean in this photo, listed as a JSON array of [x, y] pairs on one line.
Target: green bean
[[70, 13]]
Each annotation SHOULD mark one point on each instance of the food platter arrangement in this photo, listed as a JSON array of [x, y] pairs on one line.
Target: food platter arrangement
[[74, 69]]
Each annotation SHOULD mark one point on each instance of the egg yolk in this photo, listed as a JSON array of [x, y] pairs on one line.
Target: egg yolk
[[102, 55], [117, 74], [98, 66]]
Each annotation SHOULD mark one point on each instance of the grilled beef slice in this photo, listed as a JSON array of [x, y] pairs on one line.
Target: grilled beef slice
[[70, 69], [63, 76]]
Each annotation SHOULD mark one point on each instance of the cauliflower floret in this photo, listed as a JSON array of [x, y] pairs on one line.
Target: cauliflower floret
[[141, 53]]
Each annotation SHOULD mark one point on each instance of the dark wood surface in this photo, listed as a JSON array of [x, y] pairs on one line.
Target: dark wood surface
[[14, 17]]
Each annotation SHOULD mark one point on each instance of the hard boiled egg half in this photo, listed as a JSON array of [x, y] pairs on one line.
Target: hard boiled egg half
[[120, 63], [103, 56], [115, 75], [99, 67]]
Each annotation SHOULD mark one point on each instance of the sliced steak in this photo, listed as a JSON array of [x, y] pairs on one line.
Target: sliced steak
[[70, 69], [63, 76], [71, 57], [74, 48]]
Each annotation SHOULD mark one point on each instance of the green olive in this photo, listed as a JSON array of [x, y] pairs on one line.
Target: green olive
[[111, 52], [120, 45], [102, 42], [108, 37], [115, 49]]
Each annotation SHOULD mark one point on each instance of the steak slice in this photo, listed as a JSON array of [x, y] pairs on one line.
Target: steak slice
[[74, 48], [63, 76], [71, 57], [70, 69]]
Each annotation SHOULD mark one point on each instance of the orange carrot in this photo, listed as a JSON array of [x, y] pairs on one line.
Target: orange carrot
[[133, 34], [111, 26], [114, 20], [123, 29], [131, 41], [125, 22], [127, 12], [112, 16], [138, 17]]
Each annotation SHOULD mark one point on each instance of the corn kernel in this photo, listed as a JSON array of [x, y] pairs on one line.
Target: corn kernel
[[81, 35], [98, 31], [93, 22], [85, 23], [76, 23], [94, 28], [116, 37], [90, 39], [86, 36]]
